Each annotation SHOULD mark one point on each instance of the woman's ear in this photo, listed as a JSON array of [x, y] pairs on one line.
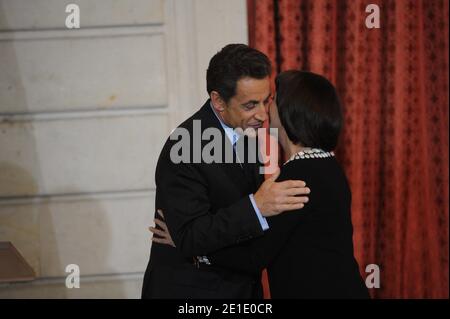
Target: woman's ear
[[217, 102]]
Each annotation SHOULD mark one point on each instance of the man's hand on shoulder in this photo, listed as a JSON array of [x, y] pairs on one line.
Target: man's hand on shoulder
[[273, 198]]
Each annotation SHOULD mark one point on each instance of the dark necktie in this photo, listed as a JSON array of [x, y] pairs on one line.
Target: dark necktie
[[247, 167]]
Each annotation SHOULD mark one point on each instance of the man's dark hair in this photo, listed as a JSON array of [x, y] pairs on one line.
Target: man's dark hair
[[309, 109], [232, 63]]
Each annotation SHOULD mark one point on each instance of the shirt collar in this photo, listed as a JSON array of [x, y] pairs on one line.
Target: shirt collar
[[229, 131]]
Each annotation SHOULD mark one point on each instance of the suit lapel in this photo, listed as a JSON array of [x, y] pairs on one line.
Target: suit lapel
[[243, 177], [234, 171]]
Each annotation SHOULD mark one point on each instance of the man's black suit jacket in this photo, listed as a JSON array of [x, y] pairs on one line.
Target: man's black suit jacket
[[206, 208]]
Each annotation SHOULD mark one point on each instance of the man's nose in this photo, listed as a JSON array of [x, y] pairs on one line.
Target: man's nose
[[261, 113]]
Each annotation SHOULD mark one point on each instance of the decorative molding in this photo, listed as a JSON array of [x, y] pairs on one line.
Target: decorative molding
[[118, 31], [74, 197], [83, 278], [81, 114]]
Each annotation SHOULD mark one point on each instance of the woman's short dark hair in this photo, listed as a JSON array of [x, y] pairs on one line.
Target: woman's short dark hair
[[232, 63], [309, 109]]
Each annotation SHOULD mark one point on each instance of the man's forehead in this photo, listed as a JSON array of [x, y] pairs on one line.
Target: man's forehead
[[251, 88]]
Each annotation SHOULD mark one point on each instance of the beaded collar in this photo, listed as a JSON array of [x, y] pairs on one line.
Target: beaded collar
[[311, 153]]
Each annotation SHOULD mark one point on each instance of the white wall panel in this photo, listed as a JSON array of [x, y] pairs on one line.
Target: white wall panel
[[83, 73], [109, 287], [101, 234], [117, 153], [46, 14]]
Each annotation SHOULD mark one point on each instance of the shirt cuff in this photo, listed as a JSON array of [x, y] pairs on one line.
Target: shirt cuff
[[261, 218]]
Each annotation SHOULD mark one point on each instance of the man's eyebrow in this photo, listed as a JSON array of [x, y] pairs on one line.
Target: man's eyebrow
[[255, 101], [251, 101]]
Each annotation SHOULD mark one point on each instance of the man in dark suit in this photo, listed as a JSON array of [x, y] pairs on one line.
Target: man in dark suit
[[211, 205]]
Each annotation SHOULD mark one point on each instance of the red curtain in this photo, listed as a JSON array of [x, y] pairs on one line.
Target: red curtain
[[393, 83]]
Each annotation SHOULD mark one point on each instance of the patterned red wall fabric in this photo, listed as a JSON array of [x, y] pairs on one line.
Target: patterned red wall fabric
[[393, 83]]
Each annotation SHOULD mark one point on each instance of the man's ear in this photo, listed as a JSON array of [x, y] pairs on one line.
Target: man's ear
[[217, 102]]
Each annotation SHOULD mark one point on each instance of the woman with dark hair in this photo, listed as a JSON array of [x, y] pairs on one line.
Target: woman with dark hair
[[309, 252]]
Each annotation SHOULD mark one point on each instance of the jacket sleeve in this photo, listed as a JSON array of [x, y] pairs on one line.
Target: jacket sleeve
[[194, 228], [255, 255]]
